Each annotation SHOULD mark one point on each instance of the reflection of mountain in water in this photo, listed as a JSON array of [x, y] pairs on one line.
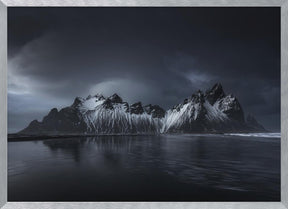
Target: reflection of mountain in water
[[74, 147], [217, 161], [161, 167], [71, 147]]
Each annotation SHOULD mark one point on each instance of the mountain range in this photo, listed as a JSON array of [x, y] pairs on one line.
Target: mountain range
[[211, 111]]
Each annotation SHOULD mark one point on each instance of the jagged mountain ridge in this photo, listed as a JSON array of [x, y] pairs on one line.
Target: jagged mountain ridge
[[209, 112]]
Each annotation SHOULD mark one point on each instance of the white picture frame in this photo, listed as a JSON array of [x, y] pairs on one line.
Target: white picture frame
[[135, 205]]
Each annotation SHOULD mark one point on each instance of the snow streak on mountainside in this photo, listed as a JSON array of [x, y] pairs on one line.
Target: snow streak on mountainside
[[114, 116], [209, 112]]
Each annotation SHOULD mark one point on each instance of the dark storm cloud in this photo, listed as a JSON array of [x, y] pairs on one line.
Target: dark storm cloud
[[156, 55]]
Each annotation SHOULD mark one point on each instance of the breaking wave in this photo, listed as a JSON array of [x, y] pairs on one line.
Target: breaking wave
[[263, 135]]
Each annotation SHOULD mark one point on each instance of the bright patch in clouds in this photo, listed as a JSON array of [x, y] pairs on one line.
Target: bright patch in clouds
[[130, 90]]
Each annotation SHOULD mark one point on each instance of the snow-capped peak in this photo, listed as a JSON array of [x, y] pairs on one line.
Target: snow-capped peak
[[209, 112]]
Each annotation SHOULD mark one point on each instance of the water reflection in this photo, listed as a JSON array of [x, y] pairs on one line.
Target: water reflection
[[72, 147], [160, 163]]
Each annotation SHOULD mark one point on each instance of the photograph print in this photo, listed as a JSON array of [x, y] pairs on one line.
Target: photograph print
[[144, 104]]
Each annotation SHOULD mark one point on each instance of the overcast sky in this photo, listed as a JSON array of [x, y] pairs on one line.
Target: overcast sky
[[153, 55]]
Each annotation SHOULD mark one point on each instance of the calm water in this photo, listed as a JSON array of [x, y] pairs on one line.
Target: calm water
[[139, 168]]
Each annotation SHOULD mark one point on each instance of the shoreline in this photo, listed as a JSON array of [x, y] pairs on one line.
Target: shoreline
[[16, 137], [19, 137]]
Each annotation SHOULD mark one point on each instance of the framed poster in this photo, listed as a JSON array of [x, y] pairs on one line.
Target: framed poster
[[143, 104]]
